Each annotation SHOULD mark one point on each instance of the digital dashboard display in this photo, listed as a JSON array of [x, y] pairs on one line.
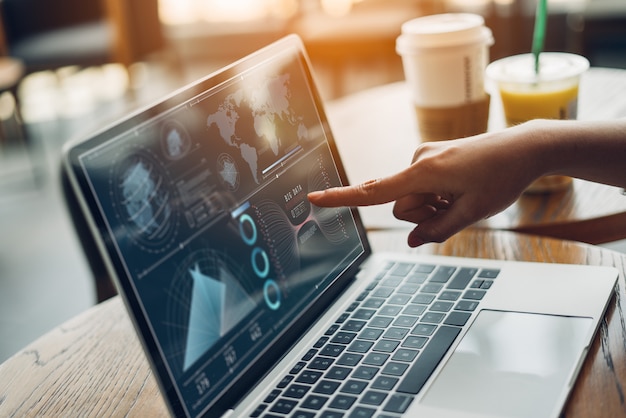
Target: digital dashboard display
[[206, 212]]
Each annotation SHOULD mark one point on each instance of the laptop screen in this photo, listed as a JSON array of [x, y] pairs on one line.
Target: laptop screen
[[201, 204]]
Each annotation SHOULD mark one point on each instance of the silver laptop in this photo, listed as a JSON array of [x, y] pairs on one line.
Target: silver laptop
[[251, 302]]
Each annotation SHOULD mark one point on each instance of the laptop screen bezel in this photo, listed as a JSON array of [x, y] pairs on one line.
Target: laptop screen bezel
[[103, 240]]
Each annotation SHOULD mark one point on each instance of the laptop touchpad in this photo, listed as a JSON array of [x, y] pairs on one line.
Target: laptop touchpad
[[507, 358]]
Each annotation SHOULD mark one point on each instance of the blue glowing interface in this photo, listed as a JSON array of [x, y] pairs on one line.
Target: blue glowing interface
[[206, 208]]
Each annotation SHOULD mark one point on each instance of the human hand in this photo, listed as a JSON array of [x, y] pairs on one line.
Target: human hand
[[449, 185]]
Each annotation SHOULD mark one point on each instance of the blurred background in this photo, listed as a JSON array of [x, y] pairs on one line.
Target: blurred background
[[69, 67]]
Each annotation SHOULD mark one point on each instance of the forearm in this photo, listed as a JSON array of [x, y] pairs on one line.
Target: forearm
[[591, 150]]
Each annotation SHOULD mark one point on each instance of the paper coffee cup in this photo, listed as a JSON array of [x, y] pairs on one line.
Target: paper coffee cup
[[444, 58], [552, 93]]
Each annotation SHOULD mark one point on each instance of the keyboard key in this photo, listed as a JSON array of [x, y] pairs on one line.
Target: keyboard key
[[258, 411], [309, 355], [320, 363], [343, 337], [405, 320], [354, 387], [373, 303], [383, 292], [457, 318], [273, 395], [375, 359], [405, 354], [441, 306], [462, 278], [486, 284], [338, 373], [401, 269], [326, 387], [395, 369], [476, 284], [297, 368], [398, 403], [353, 325], [466, 305], [320, 343], [373, 397], [432, 288], [371, 334], [408, 289], [296, 391], [414, 310], [332, 414], [314, 402], [392, 281], [342, 402], [303, 414], [425, 268], [390, 310], [360, 346], [426, 363], [332, 350], [417, 278], [362, 412], [309, 376], [349, 359], [442, 274], [414, 342], [333, 328], [385, 382], [342, 318], [362, 296], [474, 294], [365, 372], [386, 346], [284, 382], [432, 317], [284, 406], [399, 299], [489, 273], [363, 313], [380, 321], [424, 329], [423, 298], [396, 333], [452, 295], [352, 306]]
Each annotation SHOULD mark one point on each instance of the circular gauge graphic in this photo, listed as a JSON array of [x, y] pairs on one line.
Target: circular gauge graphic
[[228, 172], [143, 200], [209, 295], [175, 141]]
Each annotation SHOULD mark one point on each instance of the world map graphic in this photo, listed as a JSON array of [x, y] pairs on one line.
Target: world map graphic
[[265, 106]]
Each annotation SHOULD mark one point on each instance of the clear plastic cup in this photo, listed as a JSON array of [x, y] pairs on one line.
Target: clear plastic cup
[[552, 93]]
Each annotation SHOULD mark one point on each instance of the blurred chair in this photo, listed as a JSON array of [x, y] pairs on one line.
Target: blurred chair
[[46, 35]]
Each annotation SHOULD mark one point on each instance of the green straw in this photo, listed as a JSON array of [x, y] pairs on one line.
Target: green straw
[[539, 34]]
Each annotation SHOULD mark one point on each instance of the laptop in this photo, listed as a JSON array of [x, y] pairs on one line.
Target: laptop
[[251, 302]]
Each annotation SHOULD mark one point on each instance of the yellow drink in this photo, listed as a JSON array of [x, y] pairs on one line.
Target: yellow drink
[[550, 94], [521, 106]]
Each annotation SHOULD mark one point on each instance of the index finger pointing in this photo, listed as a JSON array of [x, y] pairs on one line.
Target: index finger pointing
[[372, 192]]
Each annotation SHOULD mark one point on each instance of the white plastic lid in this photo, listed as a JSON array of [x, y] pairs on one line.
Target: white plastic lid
[[443, 30], [552, 66]]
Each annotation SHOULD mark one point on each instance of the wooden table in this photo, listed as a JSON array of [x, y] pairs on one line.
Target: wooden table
[[376, 133], [93, 365]]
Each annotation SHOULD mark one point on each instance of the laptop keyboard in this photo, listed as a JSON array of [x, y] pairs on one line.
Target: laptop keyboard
[[381, 351]]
